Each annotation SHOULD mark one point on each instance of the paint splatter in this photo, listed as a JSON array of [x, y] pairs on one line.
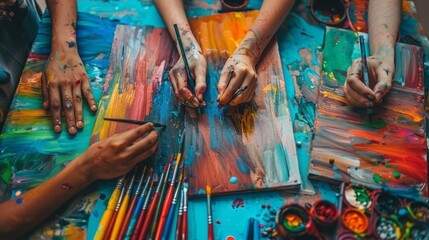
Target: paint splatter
[[233, 180], [66, 186], [237, 203], [19, 200], [71, 44], [218, 221]]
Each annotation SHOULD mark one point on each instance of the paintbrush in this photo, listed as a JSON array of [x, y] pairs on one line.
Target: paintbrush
[[170, 216], [115, 214], [169, 196], [122, 210], [160, 202], [230, 75], [184, 230], [236, 94], [138, 122], [142, 216], [365, 69], [209, 213], [108, 213], [179, 216], [152, 207], [138, 208], [185, 62], [132, 206]]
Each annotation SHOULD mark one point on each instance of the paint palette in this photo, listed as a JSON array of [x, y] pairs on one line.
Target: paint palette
[[378, 214], [390, 150]]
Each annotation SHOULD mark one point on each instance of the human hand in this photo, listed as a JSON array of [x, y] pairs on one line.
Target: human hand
[[381, 71], [63, 82], [119, 153], [238, 74], [178, 78]]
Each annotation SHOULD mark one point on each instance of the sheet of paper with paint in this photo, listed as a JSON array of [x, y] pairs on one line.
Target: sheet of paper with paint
[[232, 149], [388, 152]]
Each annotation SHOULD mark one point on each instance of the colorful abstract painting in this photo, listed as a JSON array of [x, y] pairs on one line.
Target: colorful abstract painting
[[232, 149], [389, 151], [28, 143]]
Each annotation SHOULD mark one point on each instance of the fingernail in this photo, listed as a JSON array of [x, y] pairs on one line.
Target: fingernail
[[378, 96], [94, 107], [72, 130], [57, 128], [370, 97], [203, 104], [79, 124], [195, 102]]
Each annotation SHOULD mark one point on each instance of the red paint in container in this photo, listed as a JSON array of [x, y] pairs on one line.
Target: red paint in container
[[325, 213]]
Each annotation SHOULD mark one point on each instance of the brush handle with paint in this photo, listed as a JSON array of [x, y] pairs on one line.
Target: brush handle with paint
[[365, 69]]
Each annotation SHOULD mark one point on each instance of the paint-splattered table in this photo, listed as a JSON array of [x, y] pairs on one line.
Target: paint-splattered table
[[300, 41]]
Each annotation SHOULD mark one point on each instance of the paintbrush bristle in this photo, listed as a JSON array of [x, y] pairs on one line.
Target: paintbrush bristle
[[208, 190]]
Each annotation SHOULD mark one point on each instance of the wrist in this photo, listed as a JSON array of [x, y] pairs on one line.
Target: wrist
[[82, 168]]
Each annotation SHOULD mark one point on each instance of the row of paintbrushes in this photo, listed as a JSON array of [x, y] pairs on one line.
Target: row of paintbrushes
[[152, 210]]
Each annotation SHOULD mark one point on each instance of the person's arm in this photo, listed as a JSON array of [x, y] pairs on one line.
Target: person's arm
[[173, 12], [109, 158], [65, 80], [384, 17], [243, 61]]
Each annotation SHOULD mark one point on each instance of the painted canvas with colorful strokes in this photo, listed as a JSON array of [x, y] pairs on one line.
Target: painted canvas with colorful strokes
[[232, 149], [28, 143], [389, 151]]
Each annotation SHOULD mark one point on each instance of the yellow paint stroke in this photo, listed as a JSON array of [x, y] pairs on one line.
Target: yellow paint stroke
[[334, 96]]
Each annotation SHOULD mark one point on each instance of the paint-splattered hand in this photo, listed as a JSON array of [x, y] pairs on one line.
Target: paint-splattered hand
[[381, 72], [179, 81], [63, 82], [238, 79], [119, 153]]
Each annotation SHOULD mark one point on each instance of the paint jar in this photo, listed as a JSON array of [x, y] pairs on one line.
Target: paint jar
[[387, 204], [418, 212], [348, 236], [418, 232], [234, 5], [355, 220], [358, 197], [329, 12], [325, 213], [387, 229], [294, 221]]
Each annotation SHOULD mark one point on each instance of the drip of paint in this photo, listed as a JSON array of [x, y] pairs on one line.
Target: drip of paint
[[233, 180]]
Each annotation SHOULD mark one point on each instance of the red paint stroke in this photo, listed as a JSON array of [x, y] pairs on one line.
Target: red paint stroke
[[237, 203]]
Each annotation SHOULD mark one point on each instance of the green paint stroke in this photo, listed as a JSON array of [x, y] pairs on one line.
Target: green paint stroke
[[338, 53], [377, 125], [362, 196], [378, 179]]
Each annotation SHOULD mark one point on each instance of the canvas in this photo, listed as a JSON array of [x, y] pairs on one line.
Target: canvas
[[390, 151], [244, 148]]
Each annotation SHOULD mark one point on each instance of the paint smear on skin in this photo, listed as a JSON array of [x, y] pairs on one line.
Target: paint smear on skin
[[359, 149]]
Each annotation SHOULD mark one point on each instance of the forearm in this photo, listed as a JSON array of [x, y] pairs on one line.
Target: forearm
[[173, 12], [64, 22], [29, 209], [383, 24], [269, 19]]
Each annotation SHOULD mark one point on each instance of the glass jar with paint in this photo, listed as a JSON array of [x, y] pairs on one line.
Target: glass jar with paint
[[355, 220], [418, 212], [293, 221], [325, 213], [388, 229], [386, 204]]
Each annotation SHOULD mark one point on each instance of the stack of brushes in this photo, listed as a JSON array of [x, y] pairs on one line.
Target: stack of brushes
[[150, 211]]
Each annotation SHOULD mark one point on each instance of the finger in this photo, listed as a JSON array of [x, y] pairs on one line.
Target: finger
[[355, 69], [144, 155], [55, 105], [190, 98], [236, 82], [45, 91], [353, 82], [200, 82], [78, 111], [68, 108], [143, 145], [173, 81], [252, 90], [136, 133], [249, 82], [224, 80], [87, 92], [358, 100], [383, 86]]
